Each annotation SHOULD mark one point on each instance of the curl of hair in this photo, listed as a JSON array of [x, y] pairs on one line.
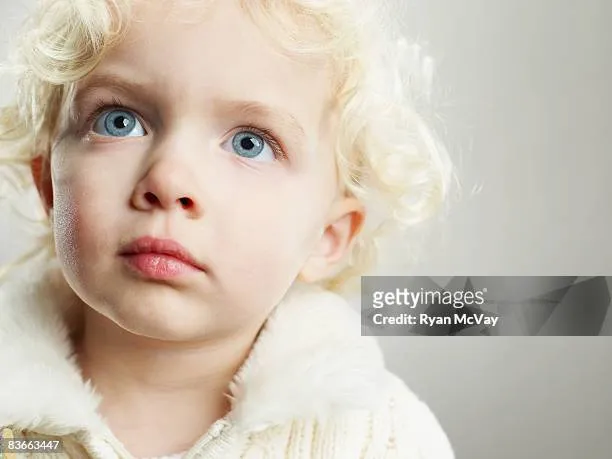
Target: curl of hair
[[386, 153]]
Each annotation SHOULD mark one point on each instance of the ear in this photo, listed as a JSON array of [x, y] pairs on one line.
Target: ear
[[344, 223], [41, 173]]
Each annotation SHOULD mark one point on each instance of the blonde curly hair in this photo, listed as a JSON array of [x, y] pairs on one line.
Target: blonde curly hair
[[387, 154]]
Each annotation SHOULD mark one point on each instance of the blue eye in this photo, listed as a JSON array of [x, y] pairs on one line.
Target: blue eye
[[118, 123], [250, 145]]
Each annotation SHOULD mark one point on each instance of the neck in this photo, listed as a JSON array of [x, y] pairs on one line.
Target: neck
[[150, 386]]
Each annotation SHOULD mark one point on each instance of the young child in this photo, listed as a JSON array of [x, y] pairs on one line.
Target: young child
[[205, 168]]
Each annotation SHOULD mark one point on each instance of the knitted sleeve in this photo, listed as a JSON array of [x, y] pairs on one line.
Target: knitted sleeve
[[406, 428]]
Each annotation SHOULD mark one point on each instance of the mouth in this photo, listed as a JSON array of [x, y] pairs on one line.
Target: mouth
[[160, 258]]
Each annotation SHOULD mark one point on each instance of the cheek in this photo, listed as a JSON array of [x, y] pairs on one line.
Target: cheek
[[81, 229], [277, 222], [268, 237]]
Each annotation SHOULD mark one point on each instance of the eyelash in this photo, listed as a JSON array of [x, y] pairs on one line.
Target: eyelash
[[102, 106]]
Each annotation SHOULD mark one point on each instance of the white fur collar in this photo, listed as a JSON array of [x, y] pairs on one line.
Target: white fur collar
[[310, 359]]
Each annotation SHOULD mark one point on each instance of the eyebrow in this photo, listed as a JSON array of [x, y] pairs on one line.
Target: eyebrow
[[141, 91]]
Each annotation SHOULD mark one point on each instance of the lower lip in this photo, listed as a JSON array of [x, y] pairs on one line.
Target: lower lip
[[157, 266]]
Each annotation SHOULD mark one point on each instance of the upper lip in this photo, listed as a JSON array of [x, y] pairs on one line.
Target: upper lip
[[170, 247]]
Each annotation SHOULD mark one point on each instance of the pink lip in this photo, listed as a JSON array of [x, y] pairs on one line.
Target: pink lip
[[160, 258]]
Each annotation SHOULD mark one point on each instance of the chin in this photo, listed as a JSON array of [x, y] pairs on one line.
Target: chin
[[163, 322]]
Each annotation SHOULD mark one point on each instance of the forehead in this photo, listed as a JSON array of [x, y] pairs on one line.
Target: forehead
[[219, 52]]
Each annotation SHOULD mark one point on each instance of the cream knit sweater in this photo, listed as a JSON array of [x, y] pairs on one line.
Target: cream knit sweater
[[312, 386]]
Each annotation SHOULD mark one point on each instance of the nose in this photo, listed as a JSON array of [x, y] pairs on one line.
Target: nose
[[168, 185]]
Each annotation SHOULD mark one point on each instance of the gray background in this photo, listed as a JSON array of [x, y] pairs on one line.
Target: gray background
[[527, 103]]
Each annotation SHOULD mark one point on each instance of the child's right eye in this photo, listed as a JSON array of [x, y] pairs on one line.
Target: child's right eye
[[118, 123]]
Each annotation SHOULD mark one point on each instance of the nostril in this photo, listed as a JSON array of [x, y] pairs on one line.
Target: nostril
[[186, 203], [150, 197]]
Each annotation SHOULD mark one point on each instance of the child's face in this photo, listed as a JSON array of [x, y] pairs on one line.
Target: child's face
[[178, 161]]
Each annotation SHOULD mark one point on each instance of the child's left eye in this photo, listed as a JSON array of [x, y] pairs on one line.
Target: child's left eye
[[248, 144], [118, 123]]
